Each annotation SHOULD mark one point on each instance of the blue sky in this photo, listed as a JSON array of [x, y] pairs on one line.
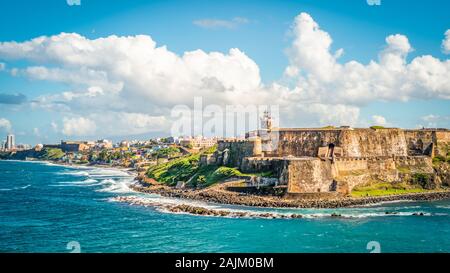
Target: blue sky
[[264, 36]]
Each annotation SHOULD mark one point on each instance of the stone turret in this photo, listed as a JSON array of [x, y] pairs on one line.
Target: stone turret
[[266, 121]]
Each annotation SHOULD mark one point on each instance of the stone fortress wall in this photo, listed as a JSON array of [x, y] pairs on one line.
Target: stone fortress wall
[[335, 160], [357, 142]]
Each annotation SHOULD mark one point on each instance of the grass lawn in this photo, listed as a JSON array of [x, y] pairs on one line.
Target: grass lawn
[[380, 189]]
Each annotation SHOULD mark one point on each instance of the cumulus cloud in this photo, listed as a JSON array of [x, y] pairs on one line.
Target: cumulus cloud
[[78, 126], [310, 49], [218, 23], [82, 75], [5, 125], [379, 120], [129, 84], [124, 123], [446, 42], [390, 78], [131, 74], [137, 69], [112, 124], [434, 121], [36, 132]]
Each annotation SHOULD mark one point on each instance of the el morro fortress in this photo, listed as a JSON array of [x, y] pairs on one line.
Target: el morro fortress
[[332, 161]]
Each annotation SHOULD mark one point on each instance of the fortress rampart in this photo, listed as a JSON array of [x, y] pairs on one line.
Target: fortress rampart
[[359, 142], [336, 160]]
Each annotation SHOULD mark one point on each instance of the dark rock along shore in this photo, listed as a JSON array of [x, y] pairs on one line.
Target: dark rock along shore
[[218, 195]]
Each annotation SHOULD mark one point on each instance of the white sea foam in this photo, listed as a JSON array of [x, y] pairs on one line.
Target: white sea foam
[[441, 214], [108, 172], [383, 203], [164, 204], [117, 186], [367, 214], [112, 180], [71, 185], [16, 188], [83, 182], [74, 173]]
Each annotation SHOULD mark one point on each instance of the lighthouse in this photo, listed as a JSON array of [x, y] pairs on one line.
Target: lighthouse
[[266, 121]]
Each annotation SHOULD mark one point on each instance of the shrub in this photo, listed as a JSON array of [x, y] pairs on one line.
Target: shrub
[[210, 150], [223, 173], [438, 159], [424, 180]]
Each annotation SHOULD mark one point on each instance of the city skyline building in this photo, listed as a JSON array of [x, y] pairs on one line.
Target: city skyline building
[[10, 142]]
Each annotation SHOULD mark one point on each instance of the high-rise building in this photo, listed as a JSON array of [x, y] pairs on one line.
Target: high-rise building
[[2, 145], [10, 142]]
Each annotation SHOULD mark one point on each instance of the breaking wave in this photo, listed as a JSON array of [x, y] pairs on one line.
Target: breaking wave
[[16, 188], [103, 179], [173, 205]]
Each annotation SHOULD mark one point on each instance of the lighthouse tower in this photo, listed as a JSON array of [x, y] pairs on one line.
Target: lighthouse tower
[[266, 121]]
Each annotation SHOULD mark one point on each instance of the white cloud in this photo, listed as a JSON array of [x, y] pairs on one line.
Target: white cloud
[[137, 69], [379, 120], [127, 85], [323, 79], [430, 117], [310, 48], [5, 124], [291, 71], [218, 23], [131, 74], [113, 124], [123, 123], [54, 126], [73, 2], [332, 114], [36, 131], [78, 126], [14, 71], [434, 121], [446, 42], [83, 75], [2, 66]]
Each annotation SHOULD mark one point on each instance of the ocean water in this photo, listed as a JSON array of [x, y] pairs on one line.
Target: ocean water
[[51, 208]]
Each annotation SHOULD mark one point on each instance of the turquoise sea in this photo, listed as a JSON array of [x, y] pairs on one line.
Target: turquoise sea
[[51, 208]]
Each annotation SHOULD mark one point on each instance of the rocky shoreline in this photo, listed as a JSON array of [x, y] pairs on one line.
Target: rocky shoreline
[[204, 211], [217, 194]]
